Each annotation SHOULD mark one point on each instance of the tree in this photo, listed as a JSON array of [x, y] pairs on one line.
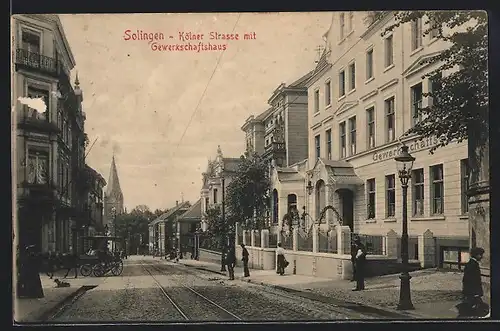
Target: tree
[[134, 225], [460, 99], [217, 228], [248, 192]]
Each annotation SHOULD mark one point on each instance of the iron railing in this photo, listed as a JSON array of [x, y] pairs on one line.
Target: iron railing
[[287, 242], [374, 244], [273, 240], [305, 243], [327, 242], [248, 238], [36, 61], [257, 238]]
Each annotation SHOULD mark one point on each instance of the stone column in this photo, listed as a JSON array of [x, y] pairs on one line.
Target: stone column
[[252, 238], [426, 249], [392, 244], [315, 235], [343, 239], [264, 238], [279, 237], [236, 237], [295, 236], [245, 237]]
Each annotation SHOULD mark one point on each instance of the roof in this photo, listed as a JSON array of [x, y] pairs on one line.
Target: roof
[[193, 213], [301, 82], [263, 115], [290, 176], [341, 172], [113, 188], [170, 212]]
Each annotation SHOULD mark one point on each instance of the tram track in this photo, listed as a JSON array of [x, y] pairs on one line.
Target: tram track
[[186, 300]]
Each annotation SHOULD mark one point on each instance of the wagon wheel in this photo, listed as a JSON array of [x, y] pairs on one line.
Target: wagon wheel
[[98, 270], [85, 270], [117, 268]]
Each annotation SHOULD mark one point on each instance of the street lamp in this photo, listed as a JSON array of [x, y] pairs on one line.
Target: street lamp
[[223, 265], [309, 187], [404, 164]]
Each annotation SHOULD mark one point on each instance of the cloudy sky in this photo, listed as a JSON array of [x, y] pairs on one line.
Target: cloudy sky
[[139, 102]]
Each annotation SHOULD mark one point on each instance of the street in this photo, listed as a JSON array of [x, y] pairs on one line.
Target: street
[[150, 290]]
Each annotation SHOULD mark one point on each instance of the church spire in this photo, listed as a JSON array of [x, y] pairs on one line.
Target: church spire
[[113, 189]]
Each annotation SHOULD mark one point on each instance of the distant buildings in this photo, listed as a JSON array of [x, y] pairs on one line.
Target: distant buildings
[[49, 167]]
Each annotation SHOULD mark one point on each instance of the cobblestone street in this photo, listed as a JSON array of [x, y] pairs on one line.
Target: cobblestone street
[[152, 291]]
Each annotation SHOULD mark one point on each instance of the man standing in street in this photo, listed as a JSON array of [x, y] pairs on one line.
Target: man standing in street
[[244, 253], [360, 265], [472, 287], [354, 252], [230, 262]]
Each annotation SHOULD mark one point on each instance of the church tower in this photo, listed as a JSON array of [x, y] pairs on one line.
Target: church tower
[[113, 197]]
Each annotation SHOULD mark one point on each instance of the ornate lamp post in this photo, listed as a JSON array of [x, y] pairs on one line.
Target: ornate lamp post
[[404, 163]]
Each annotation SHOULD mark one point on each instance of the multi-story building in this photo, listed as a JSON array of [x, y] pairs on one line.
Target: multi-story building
[[50, 138], [94, 205], [280, 135], [219, 172], [360, 105]]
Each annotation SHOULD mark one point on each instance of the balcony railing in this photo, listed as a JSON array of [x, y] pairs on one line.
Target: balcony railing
[[42, 63], [275, 147]]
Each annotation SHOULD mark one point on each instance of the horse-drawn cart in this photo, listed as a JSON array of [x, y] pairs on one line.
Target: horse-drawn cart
[[100, 260]]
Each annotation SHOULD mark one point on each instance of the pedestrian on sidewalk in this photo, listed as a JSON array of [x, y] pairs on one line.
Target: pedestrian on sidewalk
[[472, 287], [354, 252], [360, 265], [230, 262], [244, 253], [281, 261]]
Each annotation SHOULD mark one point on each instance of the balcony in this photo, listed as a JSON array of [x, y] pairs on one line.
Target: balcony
[[33, 120], [275, 147], [34, 61]]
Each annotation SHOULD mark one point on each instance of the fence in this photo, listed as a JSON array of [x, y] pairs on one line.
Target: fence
[[257, 239], [248, 238], [273, 240], [240, 238], [287, 242], [305, 242], [374, 244], [327, 242], [210, 244]]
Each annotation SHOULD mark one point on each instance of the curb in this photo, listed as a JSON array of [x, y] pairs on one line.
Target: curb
[[377, 310]]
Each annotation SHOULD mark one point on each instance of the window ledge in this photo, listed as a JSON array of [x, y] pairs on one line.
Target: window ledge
[[432, 41], [463, 217], [371, 220], [417, 50], [328, 106], [351, 91], [389, 68], [370, 80], [316, 113], [431, 218], [341, 98], [345, 37], [390, 220]]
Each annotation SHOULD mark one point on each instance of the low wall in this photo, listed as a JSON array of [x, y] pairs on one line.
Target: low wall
[[258, 258], [209, 256]]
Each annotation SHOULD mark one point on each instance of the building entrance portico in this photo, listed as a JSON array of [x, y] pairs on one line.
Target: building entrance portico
[[346, 206]]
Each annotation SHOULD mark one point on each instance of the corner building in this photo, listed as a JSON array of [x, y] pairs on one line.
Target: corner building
[[360, 105]]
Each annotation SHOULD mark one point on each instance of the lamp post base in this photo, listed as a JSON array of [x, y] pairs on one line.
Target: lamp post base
[[404, 293]]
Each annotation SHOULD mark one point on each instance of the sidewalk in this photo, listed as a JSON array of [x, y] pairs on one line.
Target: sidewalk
[[434, 293], [33, 310]]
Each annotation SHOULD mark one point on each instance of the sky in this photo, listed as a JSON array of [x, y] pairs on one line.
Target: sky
[[140, 102]]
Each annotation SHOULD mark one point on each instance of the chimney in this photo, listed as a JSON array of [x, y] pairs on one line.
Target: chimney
[[176, 202]]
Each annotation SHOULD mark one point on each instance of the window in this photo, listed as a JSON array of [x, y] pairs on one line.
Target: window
[[370, 185], [38, 167], [328, 93], [369, 64], [329, 144], [437, 190], [370, 120], [352, 76], [416, 34], [418, 192], [465, 171], [352, 137], [342, 83], [31, 42], [434, 86], [389, 51], [390, 199], [343, 152], [316, 101], [350, 19], [416, 103], [292, 203], [215, 195], [36, 93], [434, 28], [342, 26], [390, 120], [318, 146]]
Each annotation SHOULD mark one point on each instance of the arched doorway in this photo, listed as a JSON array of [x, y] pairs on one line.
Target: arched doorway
[[320, 197], [275, 206], [346, 204], [292, 203]]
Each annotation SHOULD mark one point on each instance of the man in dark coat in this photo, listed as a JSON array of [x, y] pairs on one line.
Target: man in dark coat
[[354, 251], [360, 265], [244, 253], [30, 284], [230, 262], [472, 287]]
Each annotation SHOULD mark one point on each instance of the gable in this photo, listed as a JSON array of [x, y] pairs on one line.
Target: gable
[[346, 106], [419, 64]]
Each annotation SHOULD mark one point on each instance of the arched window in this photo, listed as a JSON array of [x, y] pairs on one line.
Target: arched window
[[320, 197], [275, 206], [292, 203]]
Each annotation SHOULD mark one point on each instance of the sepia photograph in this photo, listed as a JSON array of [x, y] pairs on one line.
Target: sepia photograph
[[250, 167]]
